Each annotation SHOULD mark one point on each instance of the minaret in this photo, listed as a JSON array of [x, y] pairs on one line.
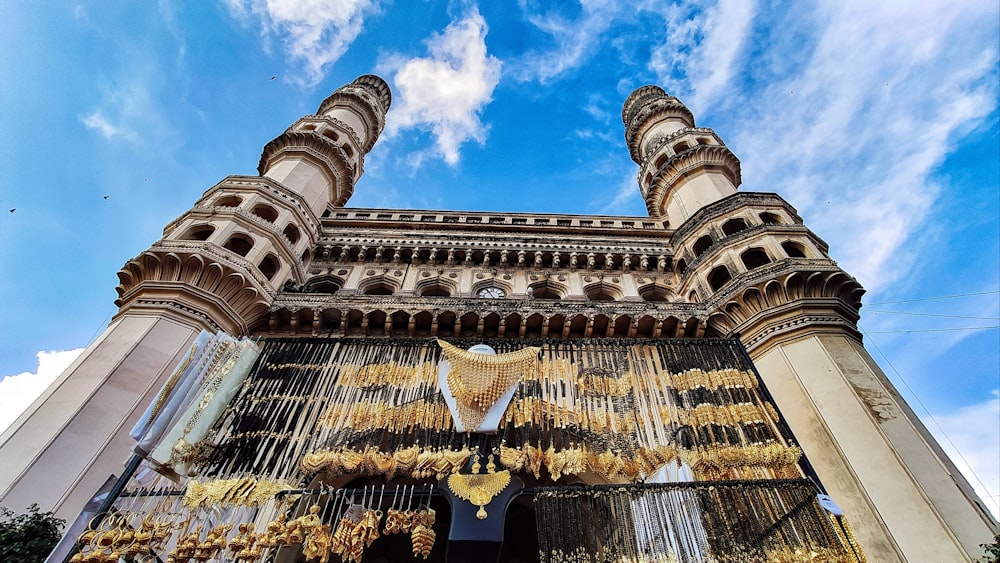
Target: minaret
[[217, 267], [768, 279], [682, 168]]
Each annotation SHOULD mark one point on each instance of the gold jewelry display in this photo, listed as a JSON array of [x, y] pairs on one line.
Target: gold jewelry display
[[479, 489], [479, 380]]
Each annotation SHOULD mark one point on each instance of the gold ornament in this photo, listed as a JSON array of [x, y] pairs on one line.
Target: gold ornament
[[479, 380], [479, 489]]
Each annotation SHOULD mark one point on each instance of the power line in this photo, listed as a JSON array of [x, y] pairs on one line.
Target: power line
[[930, 330], [956, 296], [933, 315], [926, 410]]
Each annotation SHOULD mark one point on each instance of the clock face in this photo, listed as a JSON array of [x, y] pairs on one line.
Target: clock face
[[491, 293]]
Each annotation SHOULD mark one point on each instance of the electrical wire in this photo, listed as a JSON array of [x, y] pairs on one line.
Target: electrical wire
[[900, 377]]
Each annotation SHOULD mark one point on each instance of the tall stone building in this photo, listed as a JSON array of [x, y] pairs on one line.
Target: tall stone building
[[279, 255]]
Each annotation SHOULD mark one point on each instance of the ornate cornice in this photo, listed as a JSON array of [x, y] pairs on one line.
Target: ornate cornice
[[717, 157], [370, 96], [196, 276], [769, 304], [328, 154]]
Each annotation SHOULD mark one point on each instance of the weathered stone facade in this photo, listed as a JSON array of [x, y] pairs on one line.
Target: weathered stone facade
[[279, 255]]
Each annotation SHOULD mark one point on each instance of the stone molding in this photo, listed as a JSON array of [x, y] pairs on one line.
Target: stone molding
[[664, 180], [319, 149], [195, 276]]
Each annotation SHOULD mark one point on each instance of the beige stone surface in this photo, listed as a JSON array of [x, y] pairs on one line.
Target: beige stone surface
[[895, 491], [76, 434]]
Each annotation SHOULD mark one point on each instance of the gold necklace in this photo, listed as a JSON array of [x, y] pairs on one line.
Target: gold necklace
[[479, 380], [479, 489]]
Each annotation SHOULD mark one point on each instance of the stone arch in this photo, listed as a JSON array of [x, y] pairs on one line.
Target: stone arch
[[645, 326], [656, 292], [239, 243], [491, 325], [266, 212], [794, 249], [269, 266], [701, 245], [292, 233], [379, 285], [734, 225], [326, 283], [446, 323], [622, 326], [376, 323], [438, 286], [769, 218], [198, 232], [755, 257], [423, 324], [602, 326], [718, 277], [228, 201], [548, 289], [469, 324], [399, 323], [329, 321], [577, 326], [603, 291], [533, 325]]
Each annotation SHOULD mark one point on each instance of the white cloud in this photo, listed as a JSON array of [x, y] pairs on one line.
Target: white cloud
[[575, 39], [101, 124], [701, 47], [316, 33], [974, 430], [18, 391], [886, 87], [129, 110], [446, 92]]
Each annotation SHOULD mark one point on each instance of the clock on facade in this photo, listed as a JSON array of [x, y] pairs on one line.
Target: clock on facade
[[491, 293]]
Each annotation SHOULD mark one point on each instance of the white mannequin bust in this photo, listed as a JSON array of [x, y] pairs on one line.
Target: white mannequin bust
[[491, 422]]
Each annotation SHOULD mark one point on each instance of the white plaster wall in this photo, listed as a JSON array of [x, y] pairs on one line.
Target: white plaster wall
[[855, 459], [76, 434]]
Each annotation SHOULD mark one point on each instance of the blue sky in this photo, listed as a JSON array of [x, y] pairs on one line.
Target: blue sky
[[878, 121]]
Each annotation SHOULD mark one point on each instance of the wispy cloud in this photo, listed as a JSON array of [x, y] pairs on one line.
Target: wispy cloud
[[315, 33], [886, 86], [18, 391], [446, 92], [574, 38], [974, 430], [701, 46], [128, 110]]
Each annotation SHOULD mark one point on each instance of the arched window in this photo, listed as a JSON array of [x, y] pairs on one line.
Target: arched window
[[547, 289], [680, 147], [240, 244], [794, 249], [602, 292], [228, 201], [435, 290], [770, 218], [733, 226], [754, 258], [682, 266], [265, 212], [718, 277], [292, 233], [269, 266], [701, 245], [199, 232]]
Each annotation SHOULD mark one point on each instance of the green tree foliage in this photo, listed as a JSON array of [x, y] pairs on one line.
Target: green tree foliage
[[992, 551], [28, 537]]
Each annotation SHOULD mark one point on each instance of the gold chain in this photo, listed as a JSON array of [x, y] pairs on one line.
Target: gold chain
[[479, 380]]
